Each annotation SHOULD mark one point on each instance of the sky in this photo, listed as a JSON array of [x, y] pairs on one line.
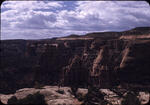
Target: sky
[[47, 19]]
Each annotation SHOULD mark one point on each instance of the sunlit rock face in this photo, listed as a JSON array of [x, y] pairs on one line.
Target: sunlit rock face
[[100, 59]]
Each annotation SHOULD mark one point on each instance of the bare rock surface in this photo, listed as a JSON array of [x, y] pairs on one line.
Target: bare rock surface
[[144, 97], [53, 95]]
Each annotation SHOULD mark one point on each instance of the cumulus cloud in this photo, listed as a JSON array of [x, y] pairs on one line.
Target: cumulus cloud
[[27, 5], [119, 15], [46, 19]]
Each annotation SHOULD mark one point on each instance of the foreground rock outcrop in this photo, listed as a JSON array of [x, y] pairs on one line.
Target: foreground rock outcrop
[[105, 60], [53, 95]]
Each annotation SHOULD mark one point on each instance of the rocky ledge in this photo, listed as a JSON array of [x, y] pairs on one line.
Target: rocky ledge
[[54, 95]]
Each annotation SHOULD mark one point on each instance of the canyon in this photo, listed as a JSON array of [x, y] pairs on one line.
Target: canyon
[[101, 59]]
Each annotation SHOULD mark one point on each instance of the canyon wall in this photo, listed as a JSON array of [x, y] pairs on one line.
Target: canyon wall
[[101, 59]]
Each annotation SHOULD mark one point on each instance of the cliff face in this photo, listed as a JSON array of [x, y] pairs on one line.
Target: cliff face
[[101, 59]]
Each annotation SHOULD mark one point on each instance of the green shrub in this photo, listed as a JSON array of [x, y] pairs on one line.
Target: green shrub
[[60, 91], [80, 97], [12, 100], [74, 90], [130, 99], [94, 97]]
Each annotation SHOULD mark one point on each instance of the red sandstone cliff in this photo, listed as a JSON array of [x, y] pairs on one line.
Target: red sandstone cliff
[[101, 59]]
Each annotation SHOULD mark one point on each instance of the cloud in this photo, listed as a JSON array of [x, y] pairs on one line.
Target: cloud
[[28, 5], [45, 19], [37, 21], [127, 14]]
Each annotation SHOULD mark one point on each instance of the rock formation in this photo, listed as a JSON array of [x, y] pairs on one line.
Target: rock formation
[[104, 59], [53, 95]]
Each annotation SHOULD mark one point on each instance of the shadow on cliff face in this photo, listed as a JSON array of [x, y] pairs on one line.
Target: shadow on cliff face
[[26, 63], [136, 67]]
